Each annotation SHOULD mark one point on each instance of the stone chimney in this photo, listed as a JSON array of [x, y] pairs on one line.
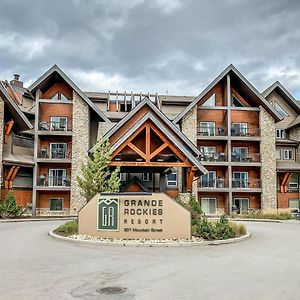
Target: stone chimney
[[16, 81]]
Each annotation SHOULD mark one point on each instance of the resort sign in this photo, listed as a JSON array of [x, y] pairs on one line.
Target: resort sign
[[138, 216]]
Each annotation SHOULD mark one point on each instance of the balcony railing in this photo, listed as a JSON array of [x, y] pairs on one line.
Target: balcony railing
[[214, 183], [247, 132], [218, 157], [246, 184], [254, 157], [211, 131], [53, 181], [55, 154], [54, 126]]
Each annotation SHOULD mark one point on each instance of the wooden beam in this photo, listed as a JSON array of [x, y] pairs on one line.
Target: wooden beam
[[137, 150], [158, 150], [12, 177], [8, 127], [149, 164], [148, 145], [7, 177], [189, 180], [283, 182]]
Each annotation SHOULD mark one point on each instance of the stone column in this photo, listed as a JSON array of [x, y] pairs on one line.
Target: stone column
[[80, 148], [189, 129], [268, 160], [2, 125], [295, 135]]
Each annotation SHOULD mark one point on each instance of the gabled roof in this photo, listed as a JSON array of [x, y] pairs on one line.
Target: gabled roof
[[19, 116], [33, 87], [232, 70], [178, 139], [284, 93]]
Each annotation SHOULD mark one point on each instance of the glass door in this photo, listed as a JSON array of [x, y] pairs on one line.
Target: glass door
[[240, 180], [242, 205], [57, 177]]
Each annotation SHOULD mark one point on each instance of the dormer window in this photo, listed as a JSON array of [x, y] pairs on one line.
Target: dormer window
[[237, 102], [280, 133], [280, 110], [211, 101], [59, 96]]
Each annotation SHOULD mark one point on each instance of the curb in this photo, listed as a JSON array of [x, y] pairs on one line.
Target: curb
[[36, 219], [258, 220], [124, 244]]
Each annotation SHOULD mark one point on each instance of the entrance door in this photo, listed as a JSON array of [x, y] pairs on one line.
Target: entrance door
[[242, 205]]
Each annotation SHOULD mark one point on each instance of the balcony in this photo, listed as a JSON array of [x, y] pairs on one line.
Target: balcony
[[54, 155], [212, 132], [245, 132], [245, 158], [213, 158], [53, 183], [54, 128], [219, 184], [241, 184]]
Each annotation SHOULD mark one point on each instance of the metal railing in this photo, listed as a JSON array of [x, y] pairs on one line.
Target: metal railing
[[54, 126], [212, 131], [214, 183], [247, 132], [55, 154], [219, 157], [246, 184], [251, 157], [53, 181]]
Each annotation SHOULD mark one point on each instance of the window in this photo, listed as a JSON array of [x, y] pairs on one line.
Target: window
[[208, 180], [147, 176], [288, 154], [56, 204], [123, 176], [59, 96], [59, 123], [236, 102], [280, 110], [58, 150], [239, 129], [209, 205], [211, 101], [57, 177], [293, 182], [239, 153], [242, 205], [294, 203], [280, 133], [240, 180], [172, 179], [208, 153], [278, 153], [207, 128]]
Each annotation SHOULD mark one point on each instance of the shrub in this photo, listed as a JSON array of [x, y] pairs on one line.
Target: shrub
[[272, 214], [239, 229], [9, 207], [71, 227], [223, 229]]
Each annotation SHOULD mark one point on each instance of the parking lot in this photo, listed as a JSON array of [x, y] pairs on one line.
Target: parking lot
[[36, 266]]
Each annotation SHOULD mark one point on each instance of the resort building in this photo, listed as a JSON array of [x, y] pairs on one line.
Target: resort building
[[234, 148]]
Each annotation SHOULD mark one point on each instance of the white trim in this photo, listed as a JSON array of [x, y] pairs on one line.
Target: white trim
[[168, 185], [62, 204], [208, 198], [50, 154], [65, 170], [60, 117]]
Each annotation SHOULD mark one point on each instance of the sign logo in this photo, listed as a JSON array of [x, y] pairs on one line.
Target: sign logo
[[108, 214]]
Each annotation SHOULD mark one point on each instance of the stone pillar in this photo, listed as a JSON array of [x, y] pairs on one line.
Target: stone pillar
[[294, 134], [80, 148], [2, 125], [268, 160], [189, 129]]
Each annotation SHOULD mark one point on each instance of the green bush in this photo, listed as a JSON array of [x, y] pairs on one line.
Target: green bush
[[71, 227], [9, 207], [239, 229], [274, 215]]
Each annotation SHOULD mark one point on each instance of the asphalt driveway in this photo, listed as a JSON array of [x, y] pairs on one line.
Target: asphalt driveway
[[36, 266]]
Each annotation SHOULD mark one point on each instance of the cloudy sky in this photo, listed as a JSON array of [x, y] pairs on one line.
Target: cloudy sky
[[156, 46]]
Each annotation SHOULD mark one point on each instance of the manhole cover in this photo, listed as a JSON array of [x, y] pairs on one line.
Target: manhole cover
[[111, 290]]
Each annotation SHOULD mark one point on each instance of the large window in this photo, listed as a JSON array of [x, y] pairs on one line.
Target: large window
[[280, 133], [207, 128], [208, 180], [56, 204], [239, 153], [59, 96], [211, 101], [288, 154], [209, 205], [208, 153], [59, 123], [236, 102], [147, 176], [172, 179], [239, 129], [293, 182], [242, 205], [280, 110], [294, 203], [57, 177], [240, 180], [58, 150]]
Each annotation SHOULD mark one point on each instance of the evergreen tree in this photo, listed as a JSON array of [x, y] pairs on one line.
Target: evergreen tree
[[9, 207], [96, 175]]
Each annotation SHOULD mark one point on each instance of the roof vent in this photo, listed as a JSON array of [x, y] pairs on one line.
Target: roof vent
[[16, 81]]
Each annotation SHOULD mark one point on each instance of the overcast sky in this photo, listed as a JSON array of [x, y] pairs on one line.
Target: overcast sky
[[156, 46]]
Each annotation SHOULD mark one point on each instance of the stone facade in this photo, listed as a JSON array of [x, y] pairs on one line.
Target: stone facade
[[294, 134], [1, 133], [268, 160], [80, 148]]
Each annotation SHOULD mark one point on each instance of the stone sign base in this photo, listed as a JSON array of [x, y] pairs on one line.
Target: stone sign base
[[134, 216]]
